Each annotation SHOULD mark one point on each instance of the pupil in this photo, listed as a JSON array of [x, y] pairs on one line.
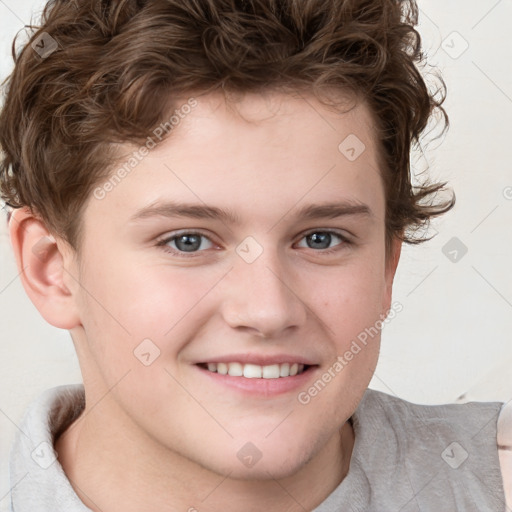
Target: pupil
[[319, 240], [188, 243]]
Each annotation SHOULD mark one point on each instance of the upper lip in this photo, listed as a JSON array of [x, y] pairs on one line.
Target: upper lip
[[260, 359]]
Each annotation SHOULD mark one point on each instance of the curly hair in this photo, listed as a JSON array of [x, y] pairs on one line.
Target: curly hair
[[119, 66]]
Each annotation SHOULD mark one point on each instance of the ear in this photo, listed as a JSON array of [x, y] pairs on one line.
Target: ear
[[392, 260], [42, 263]]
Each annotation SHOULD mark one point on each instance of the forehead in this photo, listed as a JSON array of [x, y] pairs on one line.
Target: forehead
[[265, 115], [270, 150]]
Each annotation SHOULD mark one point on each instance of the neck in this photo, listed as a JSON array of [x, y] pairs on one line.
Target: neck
[[113, 465]]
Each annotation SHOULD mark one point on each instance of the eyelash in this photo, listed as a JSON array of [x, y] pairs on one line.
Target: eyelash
[[345, 242], [163, 243]]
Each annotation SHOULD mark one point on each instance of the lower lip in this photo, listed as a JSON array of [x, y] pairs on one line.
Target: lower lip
[[262, 387]]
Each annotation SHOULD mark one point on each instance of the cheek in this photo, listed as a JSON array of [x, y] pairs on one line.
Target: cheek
[[349, 306], [128, 302], [348, 300]]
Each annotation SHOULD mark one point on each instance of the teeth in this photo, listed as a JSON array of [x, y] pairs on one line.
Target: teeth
[[251, 371], [271, 372], [284, 370], [235, 370], [255, 371]]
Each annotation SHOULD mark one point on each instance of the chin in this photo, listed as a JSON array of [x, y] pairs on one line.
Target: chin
[[271, 461], [266, 470]]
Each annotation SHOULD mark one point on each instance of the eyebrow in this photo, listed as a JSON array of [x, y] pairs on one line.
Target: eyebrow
[[335, 210], [175, 209], [202, 211]]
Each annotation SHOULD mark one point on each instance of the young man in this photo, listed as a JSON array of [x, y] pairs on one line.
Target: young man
[[212, 197]]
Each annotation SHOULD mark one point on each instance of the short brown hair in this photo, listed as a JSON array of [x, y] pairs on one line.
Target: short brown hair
[[119, 66]]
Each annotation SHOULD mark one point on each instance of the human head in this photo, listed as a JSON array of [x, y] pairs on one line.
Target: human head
[[261, 307]]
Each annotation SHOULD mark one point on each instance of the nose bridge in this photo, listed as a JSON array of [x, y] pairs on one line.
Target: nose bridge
[[261, 295]]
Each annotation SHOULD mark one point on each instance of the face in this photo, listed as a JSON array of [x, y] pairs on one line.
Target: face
[[225, 278]]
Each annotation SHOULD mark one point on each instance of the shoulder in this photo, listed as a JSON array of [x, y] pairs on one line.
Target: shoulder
[[442, 449], [38, 480], [466, 428], [504, 439], [467, 419]]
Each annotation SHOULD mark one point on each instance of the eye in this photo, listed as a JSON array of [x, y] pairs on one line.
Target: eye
[[186, 242], [322, 240]]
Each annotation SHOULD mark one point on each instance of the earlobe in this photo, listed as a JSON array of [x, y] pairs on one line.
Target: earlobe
[[42, 269]]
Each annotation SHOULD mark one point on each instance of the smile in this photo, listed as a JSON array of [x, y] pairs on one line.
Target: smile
[[255, 371]]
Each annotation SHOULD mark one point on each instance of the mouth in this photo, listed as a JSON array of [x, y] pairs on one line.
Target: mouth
[[255, 371], [270, 379]]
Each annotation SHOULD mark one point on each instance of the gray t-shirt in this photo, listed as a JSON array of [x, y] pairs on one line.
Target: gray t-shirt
[[406, 457]]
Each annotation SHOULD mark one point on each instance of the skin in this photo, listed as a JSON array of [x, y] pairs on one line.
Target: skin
[[165, 436]]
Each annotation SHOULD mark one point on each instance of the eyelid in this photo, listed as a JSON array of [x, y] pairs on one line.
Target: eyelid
[[163, 240], [341, 234], [179, 232]]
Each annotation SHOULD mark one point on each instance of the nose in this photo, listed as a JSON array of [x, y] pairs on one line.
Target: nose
[[259, 298]]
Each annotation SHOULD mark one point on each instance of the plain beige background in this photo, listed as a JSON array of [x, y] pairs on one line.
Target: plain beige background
[[453, 336]]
